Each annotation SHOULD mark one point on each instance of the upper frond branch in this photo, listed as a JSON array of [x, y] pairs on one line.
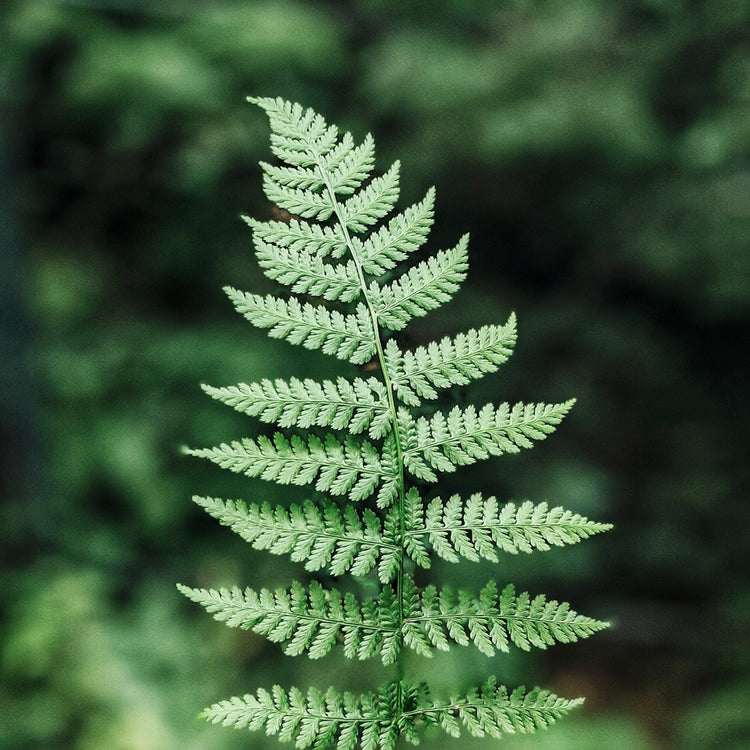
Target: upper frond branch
[[321, 535], [352, 467], [373, 202], [494, 620], [478, 527], [406, 232], [453, 361], [465, 436], [348, 337], [316, 240], [423, 288], [371, 721], [311, 619], [319, 719], [354, 406], [306, 273], [491, 710], [298, 136]]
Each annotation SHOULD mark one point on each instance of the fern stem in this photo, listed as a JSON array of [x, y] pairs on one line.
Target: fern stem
[[390, 393]]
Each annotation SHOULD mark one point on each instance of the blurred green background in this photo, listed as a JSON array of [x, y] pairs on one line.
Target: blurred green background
[[598, 152]]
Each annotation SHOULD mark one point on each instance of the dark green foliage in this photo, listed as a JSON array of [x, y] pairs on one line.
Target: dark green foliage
[[381, 521]]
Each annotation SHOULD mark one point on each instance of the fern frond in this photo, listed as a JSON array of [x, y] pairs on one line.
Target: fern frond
[[316, 719], [493, 621], [347, 165], [298, 136], [358, 439], [465, 436], [309, 619], [316, 240], [479, 527], [321, 535], [308, 274], [305, 203], [349, 337], [423, 288], [453, 361], [356, 405], [490, 710], [406, 232], [352, 467], [371, 204]]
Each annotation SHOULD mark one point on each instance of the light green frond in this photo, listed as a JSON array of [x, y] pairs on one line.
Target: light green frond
[[308, 274], [348, 166], [316, 240], [322, 535], [317, 719], [371, 204], [423, 288], [479, 527], [453, 361], [493, 621], [298, 136], [359, 439], [305, 203], [406, 232], [348, 337], [490, 711], [465, 436], [355, 405], [350, 467], [306, 619], [293, 177]]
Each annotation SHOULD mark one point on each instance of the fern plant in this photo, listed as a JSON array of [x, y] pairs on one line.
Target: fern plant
[[371, 448]]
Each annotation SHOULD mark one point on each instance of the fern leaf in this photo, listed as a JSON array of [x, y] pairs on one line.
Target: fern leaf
[[300, 236], [493, 621], [423, 288], [305, 203], [298, 136], [316, 719], [350, 467], [490, 710], [321, 535], [358, 439], [479, 527], [453, 361], [465, 436], [371, 204], [349, 337], [355, 405], [406, 232], [308, 274], [311, 619], [348, 166]]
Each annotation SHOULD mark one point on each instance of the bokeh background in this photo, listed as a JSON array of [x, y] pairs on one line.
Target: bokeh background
[[598, 152]]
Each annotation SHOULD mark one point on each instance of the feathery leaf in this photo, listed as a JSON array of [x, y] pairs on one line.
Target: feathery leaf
[[451, 361], [352, 467], [425, 287], [358, 439], [465, 436], [354, 405], [321, 535], [388, 246], [480, 527]]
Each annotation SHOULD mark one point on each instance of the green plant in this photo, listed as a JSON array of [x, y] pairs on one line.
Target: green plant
[[371, 447]]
